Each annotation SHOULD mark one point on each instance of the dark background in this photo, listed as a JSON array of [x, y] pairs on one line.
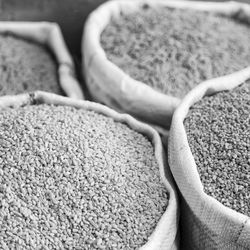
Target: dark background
[[69, 14]]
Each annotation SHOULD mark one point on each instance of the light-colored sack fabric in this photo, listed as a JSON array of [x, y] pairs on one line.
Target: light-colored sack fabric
[[205, 222], [165, 235], [50, 35], [110, 85]]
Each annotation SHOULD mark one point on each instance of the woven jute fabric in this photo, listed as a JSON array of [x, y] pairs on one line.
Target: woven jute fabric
[[109, 84], [50, 35], [205, 223], [165, 235]]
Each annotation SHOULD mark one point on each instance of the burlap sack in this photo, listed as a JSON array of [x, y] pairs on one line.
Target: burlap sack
[[165, 235], [50, 35], [205, 222], [110, 85]]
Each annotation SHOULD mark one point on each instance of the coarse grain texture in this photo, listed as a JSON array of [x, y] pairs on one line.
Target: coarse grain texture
[[26, 66], [173, 50], [218, 131], [75, 179]]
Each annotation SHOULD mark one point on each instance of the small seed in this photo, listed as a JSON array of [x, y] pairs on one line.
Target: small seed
[[105, 202], [173, 50], [26, 66], [222, 156]]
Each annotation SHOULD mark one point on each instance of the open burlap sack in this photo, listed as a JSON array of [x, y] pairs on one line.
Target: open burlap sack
[[205, 222], [109, 84], [165, 235], [50, 35]]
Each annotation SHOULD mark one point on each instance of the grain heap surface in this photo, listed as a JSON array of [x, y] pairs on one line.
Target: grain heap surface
[[25, 67], [173, 50], [218, 131], [75, 179]]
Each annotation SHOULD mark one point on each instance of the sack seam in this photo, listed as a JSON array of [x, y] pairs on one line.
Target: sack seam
[[240, 232]]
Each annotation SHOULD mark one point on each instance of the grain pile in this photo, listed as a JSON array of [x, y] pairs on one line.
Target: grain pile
[[173, 50], [218, 131], [75, 179], [26, 66]]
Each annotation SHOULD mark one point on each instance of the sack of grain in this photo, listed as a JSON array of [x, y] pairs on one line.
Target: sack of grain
[[34, 57], [209, 157], [78, 175], [143, 56]]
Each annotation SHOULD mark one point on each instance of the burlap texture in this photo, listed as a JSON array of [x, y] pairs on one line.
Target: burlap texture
[[110, 85], [205, 222]]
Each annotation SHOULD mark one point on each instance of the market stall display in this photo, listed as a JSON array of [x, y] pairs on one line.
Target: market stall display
[[209, 158], [120, 68], [76, 174], [26, 63]]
